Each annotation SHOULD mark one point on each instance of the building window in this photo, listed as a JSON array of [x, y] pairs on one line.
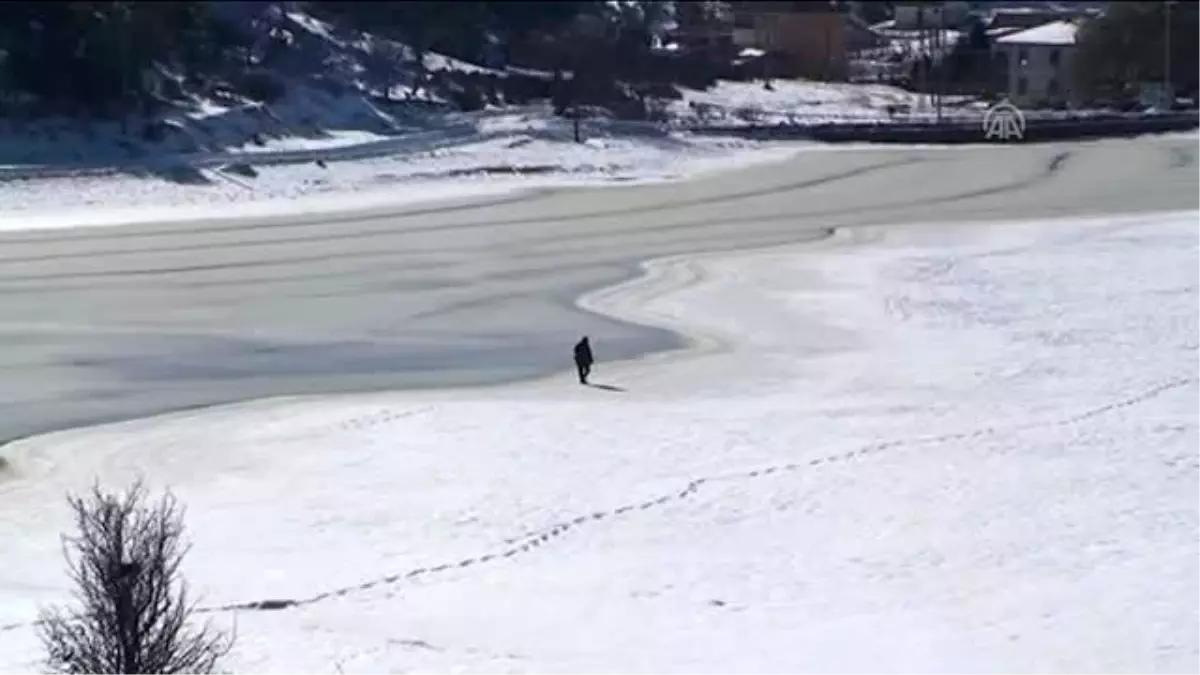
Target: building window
[[1022, 86], [1023, 57], [1000, 72], [1053, 88], [1055, 56]]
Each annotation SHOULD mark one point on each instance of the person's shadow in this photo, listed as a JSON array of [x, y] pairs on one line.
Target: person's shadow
[[605, 387]]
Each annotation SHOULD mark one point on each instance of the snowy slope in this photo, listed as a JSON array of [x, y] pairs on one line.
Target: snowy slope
[[485, 153], [340, 87], [76, 167], [798, 102], [351, 97], [344, 89], [937, 450]]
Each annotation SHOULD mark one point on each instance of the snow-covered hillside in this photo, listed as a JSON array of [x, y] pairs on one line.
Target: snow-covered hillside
[[341, 88], [337, 86], [351, 119], [471, 154]]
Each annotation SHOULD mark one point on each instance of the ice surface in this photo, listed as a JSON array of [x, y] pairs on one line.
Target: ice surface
[[925, 450]]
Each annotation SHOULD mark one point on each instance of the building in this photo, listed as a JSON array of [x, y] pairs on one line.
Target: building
[[927, 15], [860, 36], [1035, 64], [804, 39], [716, 40], [1005, 18]]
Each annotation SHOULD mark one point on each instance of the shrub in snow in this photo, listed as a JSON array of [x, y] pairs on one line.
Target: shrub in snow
[[242, 169], [469, 98], [134, 613], [155, 131], [262, 86]]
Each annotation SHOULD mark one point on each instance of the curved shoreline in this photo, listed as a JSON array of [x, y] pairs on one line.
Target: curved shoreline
[[664, 276], [624, 302], [609, 302], [503, 261]]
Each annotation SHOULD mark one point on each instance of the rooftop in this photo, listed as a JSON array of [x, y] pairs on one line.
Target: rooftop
[[1053, 33]]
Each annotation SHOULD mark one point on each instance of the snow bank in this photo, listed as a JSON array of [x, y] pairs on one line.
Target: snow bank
[[480, 154], [933, 450], [799, 101]]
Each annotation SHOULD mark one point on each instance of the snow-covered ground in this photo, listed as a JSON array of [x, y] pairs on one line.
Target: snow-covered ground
[[65, 165], [500, 151], [933, 449], [802, 101], [71, 166], [312, 119], [305, 118]]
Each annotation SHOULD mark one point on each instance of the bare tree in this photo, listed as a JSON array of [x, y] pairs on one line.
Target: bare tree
[[124, 563]]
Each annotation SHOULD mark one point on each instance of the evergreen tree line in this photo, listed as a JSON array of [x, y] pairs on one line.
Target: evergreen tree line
[[94, 54], [1134, 43]]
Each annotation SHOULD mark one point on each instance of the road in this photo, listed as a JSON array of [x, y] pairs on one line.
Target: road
[[110, 323]]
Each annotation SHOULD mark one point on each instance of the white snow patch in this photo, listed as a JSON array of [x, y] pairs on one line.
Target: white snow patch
[[796, 101]]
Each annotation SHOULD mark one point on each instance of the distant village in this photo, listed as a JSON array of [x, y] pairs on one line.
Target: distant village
[[1022, 51]]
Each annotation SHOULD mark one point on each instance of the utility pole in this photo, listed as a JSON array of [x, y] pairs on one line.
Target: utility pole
[[922, 74], [1168, 92], [123, 59], [940, 50]]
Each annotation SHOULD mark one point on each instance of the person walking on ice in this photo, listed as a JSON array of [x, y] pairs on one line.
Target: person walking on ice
[[583, 359]]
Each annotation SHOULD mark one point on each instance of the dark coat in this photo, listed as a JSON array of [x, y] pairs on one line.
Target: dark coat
[[583, 353]]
